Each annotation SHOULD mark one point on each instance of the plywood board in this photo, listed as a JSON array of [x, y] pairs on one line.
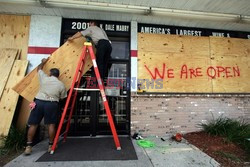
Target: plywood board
[[14, 33], [230, 58], [23, 114], [9, 98], [173, 44], [223, 64], [7, 58], [181, 62], [65, 59]]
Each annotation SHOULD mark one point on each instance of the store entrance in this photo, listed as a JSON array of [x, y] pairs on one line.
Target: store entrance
[[89, 117]]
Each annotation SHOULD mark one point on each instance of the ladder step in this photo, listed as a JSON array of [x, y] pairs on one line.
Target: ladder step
[[84, 89], [62, 134], [65, 121], [68, 108]]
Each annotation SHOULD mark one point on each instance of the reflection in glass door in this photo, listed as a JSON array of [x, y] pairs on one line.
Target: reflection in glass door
[[117, 94]]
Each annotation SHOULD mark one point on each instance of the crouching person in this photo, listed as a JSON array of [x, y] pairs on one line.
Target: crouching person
[[46, 105]]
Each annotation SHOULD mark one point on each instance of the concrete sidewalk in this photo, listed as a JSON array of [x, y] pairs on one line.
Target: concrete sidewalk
[[166, 153]]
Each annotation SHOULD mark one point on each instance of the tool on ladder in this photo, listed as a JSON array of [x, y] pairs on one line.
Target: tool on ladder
[[75, 84]]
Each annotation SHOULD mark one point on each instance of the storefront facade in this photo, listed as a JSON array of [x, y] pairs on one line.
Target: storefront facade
[[148, 113]]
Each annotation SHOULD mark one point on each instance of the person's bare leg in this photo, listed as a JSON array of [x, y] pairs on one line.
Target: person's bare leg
[[31, 132], [52, 132], [30, 136]]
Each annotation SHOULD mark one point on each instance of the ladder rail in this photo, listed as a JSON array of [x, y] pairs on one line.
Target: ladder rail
[[104, 98], [68, 100]]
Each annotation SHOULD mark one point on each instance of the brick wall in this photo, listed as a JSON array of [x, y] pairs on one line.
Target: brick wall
[[161, 114]]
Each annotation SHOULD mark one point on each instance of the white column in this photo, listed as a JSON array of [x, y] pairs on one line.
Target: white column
[[45, 33], [133, 52]]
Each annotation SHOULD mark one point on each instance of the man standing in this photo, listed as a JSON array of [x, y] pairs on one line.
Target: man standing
[[102, 43], [46, 105]]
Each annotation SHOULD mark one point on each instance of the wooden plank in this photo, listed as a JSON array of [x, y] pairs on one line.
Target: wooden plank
[[7, 58], [9, 98], [65, 59], [14, 32], [23, 114], [174, 56], [230, 54]]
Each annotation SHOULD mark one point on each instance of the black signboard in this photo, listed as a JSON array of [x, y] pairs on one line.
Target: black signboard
[[122, 29], [165, 29], [70, 26]]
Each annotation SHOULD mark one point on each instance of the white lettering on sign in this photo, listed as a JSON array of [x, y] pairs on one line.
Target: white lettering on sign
[[110, 27], [188, 32], [154, 30], [122, 28], [220, 34], [79, 25], [217, 34], [106, 27]]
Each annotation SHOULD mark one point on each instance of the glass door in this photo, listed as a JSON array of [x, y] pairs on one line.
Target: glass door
[[117, 95], [90, 117]]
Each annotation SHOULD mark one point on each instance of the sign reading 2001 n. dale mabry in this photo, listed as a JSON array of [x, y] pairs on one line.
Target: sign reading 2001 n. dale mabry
[[72, 25]]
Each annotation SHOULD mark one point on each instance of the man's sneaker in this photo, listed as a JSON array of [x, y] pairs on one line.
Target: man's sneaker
[[28, 150], [50, 148]]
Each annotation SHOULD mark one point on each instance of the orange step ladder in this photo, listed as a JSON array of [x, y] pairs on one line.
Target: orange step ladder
[[75, 84]]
